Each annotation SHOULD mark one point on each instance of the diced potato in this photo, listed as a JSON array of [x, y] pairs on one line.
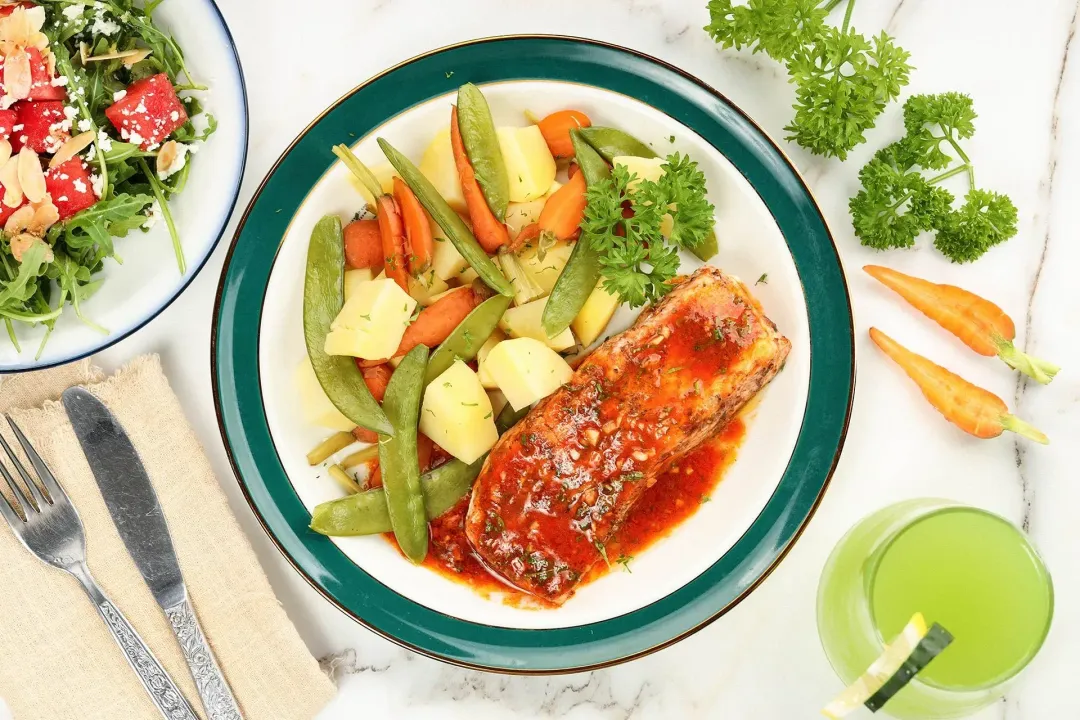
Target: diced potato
[[384, 173], [498, 401], [353, 278], [525, 321], [426, 287], [438, 166], [481, 356], [546, 271], [457, 414], [371, 324], [595, 314], [520, 214], [446, 261], [526, 370], [525, 290], [644, 168], [529, 163], [314, 405], [467, 276]]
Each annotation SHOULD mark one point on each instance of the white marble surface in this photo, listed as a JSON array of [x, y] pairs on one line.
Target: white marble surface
[[763, 659]]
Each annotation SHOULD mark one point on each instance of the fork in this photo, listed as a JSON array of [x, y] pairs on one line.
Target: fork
[[48, 525]]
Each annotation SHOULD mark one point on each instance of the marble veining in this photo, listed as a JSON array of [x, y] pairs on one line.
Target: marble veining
[[762, 661]]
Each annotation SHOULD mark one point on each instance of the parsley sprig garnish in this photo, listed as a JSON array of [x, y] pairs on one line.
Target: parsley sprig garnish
[[898, 201], [636, 260], [842, 80]]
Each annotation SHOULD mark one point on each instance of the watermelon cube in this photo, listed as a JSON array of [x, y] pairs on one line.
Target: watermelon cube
[[41, 86], [148, 113], [38, 125], [5, 211], [70, 186], [7, 121]]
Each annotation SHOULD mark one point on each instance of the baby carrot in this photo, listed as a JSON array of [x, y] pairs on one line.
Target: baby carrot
[[563, 211], [488, 230], [980, 324], [556, 129], [418, 239], [376, 377], [435, 322], [391, 227], [528, 234], [363, 245], [974, 410]]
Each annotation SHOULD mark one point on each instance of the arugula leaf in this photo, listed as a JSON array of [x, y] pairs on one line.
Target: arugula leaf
[[23, 286], [898, 202], [842, 80]]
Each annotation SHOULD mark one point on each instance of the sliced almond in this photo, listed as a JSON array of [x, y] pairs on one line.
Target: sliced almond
[[5, 152], [19, 220], [84, 52], [23, 242], [31, 178], [170, 158], [17, 76], [72, 147], [45, 216], [35, 17], [118, 55], [137, 55], [9, 178]]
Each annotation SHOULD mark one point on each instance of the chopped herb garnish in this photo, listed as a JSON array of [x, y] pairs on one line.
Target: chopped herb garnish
[[624, 560], [763, 280], [487, 416], [470, 404]]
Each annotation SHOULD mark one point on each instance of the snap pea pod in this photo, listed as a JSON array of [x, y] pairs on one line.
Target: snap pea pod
[[450, 222], [612, 142], [482, 146], [465, 341], [324, 283], [366, 513], [398, 457], [582, 270]]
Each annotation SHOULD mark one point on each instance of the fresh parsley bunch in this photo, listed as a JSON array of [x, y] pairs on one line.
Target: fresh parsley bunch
[[898, 201], [625, 222], [843, 81]]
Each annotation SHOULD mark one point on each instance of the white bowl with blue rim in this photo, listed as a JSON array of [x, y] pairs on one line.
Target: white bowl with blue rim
[[135, 292]]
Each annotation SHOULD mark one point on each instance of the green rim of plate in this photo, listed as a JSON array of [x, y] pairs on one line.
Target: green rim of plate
[[241, 414]]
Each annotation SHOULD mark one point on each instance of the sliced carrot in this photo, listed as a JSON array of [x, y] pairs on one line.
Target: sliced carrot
[[556, 129], [377, 378], [424, 446], [564, 211], [528, 234], [488, 230], [572, 170], [375, 479], [435, 322], [363, 245], [980, 324], [418, 239], [393, 241], [974, 410]]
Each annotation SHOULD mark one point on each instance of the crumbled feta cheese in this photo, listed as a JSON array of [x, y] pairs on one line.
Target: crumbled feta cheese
[[85, 125], [104, 141], [73, 12], [17, 127], [70, 112], [59, 81], [118, 95], [80, 186], [174, 115], [152, 215], [96, 183], [102, 25]]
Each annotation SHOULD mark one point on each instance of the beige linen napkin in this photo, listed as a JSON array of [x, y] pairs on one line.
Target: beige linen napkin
[[57, 660]]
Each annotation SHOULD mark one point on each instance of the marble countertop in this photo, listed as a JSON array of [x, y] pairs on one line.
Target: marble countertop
[[763, 659]]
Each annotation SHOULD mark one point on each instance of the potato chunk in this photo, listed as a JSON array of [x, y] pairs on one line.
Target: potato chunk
[[481, 357], [529, 163], [595, 314], [457, 414], [526, 370], [437, 165], [315, 407], [525, 321], [371, 324]]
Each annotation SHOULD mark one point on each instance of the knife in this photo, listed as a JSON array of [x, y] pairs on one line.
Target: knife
[[135, 511]]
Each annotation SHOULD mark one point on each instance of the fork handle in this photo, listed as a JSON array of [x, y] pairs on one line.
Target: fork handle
[[217, 699], [163, 692]]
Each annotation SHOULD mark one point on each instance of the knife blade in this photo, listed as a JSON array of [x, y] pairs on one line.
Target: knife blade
[[136, 512]]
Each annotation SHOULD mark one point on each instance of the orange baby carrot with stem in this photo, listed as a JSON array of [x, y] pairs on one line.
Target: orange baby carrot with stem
[[980, 324], [556, 129], [387, 213], [563, 211], [490, 233], [418, 240], [974, 410]]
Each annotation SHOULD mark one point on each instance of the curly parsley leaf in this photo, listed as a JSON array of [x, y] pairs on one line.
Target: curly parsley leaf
[[898, 201], [842, 80]]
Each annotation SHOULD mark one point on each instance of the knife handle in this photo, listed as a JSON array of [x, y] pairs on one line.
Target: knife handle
[[217, 698], [167, 697]]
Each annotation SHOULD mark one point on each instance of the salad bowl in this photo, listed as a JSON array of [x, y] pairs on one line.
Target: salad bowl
[[769, 230]]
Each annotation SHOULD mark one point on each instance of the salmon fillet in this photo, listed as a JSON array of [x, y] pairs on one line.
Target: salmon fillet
[[560, 482]]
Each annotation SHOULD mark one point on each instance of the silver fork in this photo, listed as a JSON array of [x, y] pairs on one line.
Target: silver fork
[[48, 525]]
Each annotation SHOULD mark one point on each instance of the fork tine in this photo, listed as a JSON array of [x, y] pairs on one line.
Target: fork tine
[[10, 514], [53, 491], [35, 492], [20, 497]]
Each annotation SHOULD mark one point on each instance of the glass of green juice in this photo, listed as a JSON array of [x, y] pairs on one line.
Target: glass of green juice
[[973, 572]]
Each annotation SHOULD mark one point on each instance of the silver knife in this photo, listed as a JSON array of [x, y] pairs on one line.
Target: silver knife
[[137, 514]]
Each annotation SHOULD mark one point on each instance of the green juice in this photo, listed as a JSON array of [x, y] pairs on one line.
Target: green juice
[[971, 571]]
